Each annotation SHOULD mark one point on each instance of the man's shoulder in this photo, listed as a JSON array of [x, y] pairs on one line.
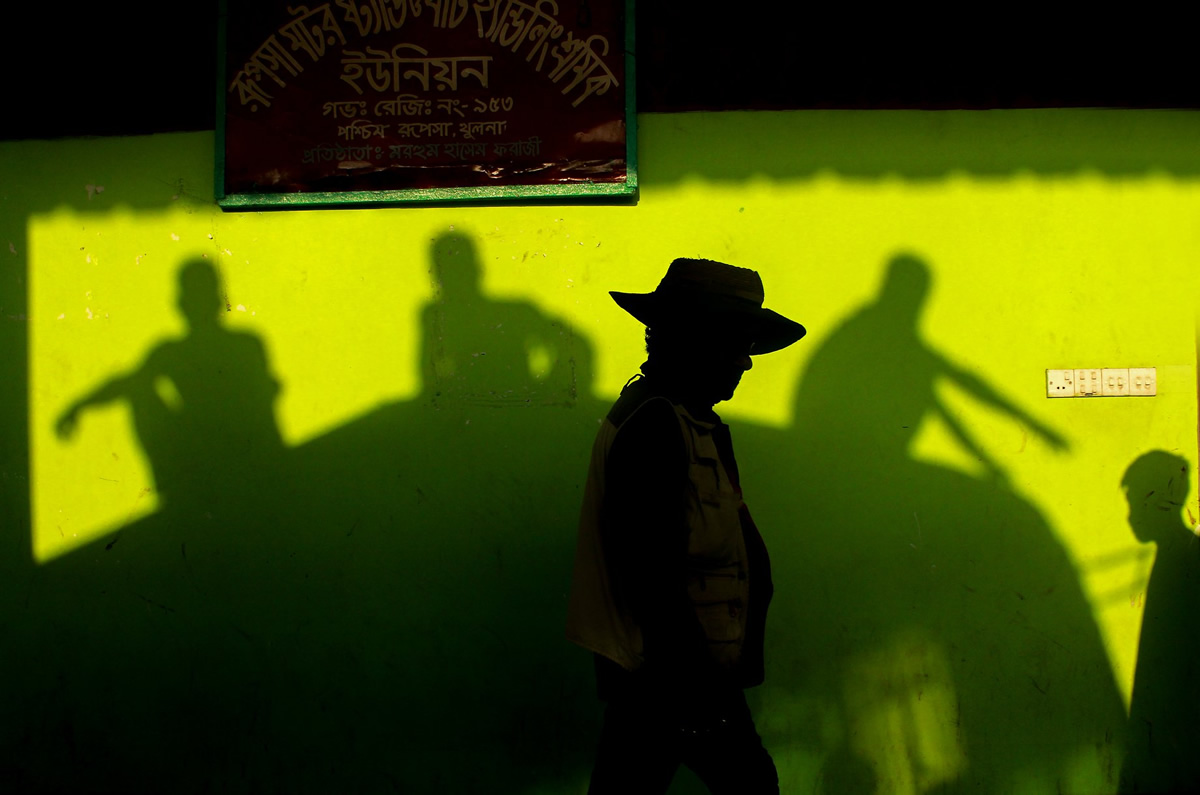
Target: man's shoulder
[[640, 399], [646, 438]]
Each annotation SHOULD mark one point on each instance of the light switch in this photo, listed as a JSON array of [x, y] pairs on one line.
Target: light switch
[[1114, 382], [1087, 383], [1143, 381]]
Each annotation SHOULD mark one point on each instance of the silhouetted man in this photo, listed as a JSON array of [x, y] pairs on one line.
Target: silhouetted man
[[672, 579]]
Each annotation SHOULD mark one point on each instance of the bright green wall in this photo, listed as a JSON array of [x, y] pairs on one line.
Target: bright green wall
[[364, 589]]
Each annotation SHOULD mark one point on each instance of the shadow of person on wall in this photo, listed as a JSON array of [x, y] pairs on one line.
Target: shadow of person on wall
[[197, 401], [203, 405], [203, 410], [880, 347], [1163, 731], [441, 522], [947, 641], [488, 352], [159, 611]]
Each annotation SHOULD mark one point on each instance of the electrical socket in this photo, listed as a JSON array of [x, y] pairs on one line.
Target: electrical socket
[[1114, 382], [1060, 383], [1143, 381]]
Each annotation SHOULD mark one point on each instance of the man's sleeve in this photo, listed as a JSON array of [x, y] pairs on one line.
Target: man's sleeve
[[646, 532]]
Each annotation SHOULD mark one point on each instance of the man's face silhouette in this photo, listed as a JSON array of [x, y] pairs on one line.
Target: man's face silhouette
[[704, 357], [722, 355], [730, 360]]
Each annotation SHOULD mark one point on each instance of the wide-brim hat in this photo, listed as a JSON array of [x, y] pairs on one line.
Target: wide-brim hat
[[703, 291]]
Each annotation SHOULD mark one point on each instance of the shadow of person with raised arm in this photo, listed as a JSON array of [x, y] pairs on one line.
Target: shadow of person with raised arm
[[203, 410], [877, 359], [941, 636], [203, 405], [1164, 734], [171, 613]]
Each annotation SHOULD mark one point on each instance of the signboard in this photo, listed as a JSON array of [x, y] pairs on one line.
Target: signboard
[[390, 101]]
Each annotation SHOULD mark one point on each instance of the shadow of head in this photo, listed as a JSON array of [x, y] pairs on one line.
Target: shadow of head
[[454, 265], [1155, 485], [199, 293], [906, 285]]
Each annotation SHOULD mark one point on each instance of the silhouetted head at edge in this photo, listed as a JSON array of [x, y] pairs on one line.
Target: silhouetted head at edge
[[199, 297], [454, 265], [703, 323], [1156, 486]]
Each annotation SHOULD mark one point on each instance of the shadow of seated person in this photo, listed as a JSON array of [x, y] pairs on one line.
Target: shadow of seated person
[[483, 351], [202, 408]]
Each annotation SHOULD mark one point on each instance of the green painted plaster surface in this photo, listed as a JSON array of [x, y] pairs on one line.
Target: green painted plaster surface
[[289, 497]]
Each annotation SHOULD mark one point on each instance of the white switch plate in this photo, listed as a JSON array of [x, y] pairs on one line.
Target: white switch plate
[[1087, 382], [1143, 381], [1102, 382], [1114, 382]]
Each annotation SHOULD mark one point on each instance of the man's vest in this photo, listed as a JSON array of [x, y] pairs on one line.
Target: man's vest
[[717, 570]]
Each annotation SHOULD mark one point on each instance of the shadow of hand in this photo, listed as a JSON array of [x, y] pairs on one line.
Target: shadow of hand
[[67, 422]]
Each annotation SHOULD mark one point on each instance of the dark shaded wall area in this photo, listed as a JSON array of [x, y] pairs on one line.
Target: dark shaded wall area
[[288, 499]]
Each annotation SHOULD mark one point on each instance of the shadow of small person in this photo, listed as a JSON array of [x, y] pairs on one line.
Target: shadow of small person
[[1164, 731]]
